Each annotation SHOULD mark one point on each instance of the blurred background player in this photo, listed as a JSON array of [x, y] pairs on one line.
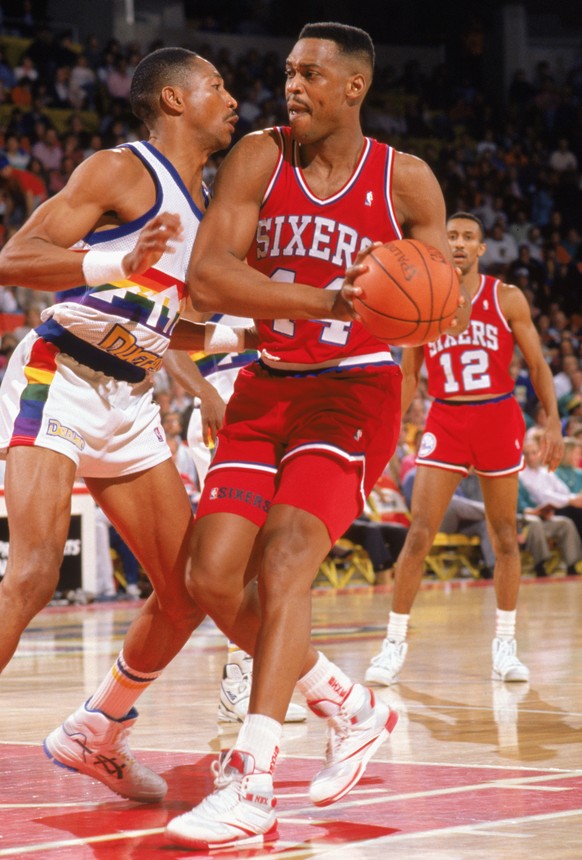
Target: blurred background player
[[474, 421]]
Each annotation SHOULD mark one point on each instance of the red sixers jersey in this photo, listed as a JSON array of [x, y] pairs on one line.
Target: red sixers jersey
[[477, 361], [305, 239]]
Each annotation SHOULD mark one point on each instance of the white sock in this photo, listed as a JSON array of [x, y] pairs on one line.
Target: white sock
[[505, 624], [397, 626], [326, 687], [261, 737], [120, 689]]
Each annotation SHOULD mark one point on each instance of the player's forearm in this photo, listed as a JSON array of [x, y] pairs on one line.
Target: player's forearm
[[543, 385], [39, 266], [244, 292]]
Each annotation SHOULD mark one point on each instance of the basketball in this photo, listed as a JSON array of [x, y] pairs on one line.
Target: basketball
[[410, 293]]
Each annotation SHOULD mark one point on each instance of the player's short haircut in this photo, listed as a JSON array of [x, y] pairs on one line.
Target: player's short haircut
[[468, 216], [350, 40], [161, 68]]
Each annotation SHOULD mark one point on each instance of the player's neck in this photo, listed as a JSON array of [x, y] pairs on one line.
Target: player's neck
[[471, 280]]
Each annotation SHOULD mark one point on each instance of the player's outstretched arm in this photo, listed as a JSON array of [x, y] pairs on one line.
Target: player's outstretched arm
[[420, 208], [412, 359], [516, 310], [38, 255]]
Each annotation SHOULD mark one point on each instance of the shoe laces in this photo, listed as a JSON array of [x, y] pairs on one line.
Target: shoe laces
[[218, 771], [339, 729], [506, 652]]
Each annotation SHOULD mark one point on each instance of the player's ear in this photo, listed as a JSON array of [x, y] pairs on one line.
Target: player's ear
[[172, 99], [356, 87], [481, 249]]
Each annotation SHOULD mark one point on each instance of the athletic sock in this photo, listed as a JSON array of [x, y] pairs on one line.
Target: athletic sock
[[261, 737], [505, 624], [326, 682], [120, 689], [397, 626]]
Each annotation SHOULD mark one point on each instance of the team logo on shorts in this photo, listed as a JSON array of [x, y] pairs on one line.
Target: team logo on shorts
[[427, 444], [55, 428]]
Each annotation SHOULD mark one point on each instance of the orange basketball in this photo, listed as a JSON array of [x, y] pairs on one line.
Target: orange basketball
[[410, 293]]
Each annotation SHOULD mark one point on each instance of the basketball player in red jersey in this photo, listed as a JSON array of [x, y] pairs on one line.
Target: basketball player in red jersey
[[311, 425], [474, 421]]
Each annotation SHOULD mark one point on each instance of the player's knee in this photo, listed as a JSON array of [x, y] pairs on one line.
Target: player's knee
[[210, 581], [505, 538], [287, 567], [32, 583], [420, 537]]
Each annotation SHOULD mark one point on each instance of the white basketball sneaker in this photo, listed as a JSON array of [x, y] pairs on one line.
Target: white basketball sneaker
[[506, 666], [385, 666], [235, 692], [92, 743], [241, 811], [353, 738]]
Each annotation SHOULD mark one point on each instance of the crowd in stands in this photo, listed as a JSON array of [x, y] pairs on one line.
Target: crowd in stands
[[518, 167]]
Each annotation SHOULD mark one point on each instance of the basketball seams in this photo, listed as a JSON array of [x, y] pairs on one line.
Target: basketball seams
[[415, 245], [402, 303]]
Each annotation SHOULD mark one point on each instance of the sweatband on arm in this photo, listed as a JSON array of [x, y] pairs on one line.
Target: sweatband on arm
[[103, 267], [223, 338]]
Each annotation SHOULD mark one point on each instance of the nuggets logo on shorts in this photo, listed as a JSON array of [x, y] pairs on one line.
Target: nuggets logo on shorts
[[55, 428], [427, 444]]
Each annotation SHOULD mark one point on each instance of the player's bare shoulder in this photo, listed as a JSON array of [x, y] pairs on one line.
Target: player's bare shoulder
[[512, 302], [415, 190], [250, 163], [118, 178]]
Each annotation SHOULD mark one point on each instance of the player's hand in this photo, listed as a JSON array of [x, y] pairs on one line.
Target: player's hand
[[154, 240], [212, 408], [552, 444], [463, 314], [343, 305]]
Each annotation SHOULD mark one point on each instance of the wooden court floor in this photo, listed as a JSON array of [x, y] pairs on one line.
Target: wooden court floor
[[474, 768]]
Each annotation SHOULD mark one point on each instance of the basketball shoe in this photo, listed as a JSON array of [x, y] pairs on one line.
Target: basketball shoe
[[506, 666], [92, 743], [235, 692], [385, 666], [353, 738], [241, 810]]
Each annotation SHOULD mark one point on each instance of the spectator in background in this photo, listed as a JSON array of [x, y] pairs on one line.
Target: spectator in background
[[118, 80], [48, 150], [545, 488], [531, 269], [500, 252], [539, 525], [562, 159], [17, 155], [569, 470], [563, 380], [26, 189], [82, 84]]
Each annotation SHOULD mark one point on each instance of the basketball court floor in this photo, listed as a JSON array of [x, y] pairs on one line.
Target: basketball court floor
[[474, 768]]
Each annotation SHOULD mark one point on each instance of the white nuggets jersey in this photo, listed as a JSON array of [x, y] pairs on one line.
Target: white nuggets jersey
[[126, 325], [305, 239]]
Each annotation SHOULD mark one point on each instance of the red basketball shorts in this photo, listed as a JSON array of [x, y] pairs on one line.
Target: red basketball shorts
[[485, 434], [317, 442]]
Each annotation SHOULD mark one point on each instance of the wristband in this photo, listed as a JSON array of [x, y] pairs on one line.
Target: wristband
[[223, 338], [103, 267]]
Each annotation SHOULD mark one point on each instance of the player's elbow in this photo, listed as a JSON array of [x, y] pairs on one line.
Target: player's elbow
[[200, 286]]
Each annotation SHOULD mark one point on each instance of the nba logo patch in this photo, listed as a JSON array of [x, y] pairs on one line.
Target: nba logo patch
[[159, 434], [213, 493], [427, 445]]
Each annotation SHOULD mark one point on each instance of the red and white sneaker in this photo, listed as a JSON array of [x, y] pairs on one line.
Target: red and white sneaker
[[241, 811], [353, 738]]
